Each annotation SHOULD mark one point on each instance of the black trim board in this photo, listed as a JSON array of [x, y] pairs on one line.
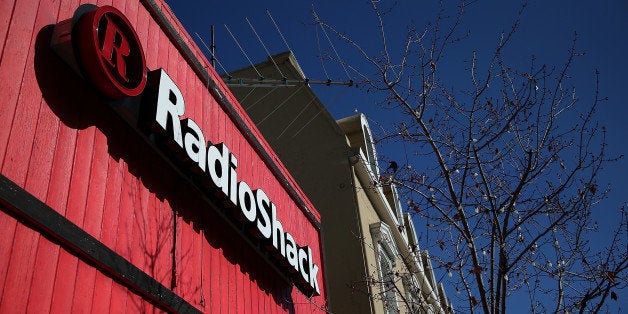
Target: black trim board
[[52, 224]]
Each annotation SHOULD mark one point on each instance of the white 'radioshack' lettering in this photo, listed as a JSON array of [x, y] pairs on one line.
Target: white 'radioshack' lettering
[[218, 165]]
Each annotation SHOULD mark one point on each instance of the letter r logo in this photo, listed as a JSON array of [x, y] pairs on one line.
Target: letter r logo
[[115, 47], [110, 53]]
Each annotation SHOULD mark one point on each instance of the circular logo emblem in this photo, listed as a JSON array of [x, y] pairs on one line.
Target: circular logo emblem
[[110, 53]]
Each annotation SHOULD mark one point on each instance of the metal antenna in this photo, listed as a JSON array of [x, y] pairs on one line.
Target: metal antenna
[[247, 95], [320, 53], [280, 105], [313, 117], [260, 99], [306, 124], [336, 52], [213, 47], [244, 53], [212, 54], [248, 82], [283, 82], [296, 118], [278, 30], [265, 49], [322, 25]]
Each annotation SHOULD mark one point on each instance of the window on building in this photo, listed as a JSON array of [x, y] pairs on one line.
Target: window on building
[[413, 294], [386, 253], [389, 291], [371, 153]]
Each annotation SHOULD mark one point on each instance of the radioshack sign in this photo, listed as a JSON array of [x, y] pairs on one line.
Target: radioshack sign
[[110, 55]]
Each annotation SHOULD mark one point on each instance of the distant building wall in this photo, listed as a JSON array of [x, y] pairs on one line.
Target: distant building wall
[[336, 164]]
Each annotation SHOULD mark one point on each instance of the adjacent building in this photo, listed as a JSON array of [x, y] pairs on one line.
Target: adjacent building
[[371, 252]]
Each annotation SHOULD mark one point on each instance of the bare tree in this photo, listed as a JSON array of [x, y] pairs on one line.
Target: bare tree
[[504, 170], [388, 285], [397, 286]]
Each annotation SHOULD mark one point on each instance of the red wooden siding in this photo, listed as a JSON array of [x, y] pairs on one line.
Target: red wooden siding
[[60, 143]]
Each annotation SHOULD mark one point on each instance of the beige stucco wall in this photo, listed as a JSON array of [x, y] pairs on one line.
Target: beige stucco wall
[[369, 216]]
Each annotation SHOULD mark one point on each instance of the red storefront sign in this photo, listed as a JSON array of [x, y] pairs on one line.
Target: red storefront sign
[[111, 53], [216, 168], [102, 208]]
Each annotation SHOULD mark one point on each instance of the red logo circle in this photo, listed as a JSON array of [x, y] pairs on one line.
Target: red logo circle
[[110, 53]]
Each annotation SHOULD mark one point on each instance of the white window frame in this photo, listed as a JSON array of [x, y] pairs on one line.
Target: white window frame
[[386, 254]]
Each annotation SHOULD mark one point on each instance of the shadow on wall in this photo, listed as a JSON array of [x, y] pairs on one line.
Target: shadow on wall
[[79, 106]]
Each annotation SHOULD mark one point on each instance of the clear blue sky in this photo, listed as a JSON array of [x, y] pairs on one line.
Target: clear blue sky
[[546, 31]]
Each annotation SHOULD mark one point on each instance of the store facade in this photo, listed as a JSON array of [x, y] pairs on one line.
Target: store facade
[[131, 178]]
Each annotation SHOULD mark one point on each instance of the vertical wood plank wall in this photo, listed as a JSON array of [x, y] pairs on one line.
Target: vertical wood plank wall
[[61, 144]]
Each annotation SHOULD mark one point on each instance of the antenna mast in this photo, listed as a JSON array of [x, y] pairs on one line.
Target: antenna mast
[[264, 82], [212, 48]]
